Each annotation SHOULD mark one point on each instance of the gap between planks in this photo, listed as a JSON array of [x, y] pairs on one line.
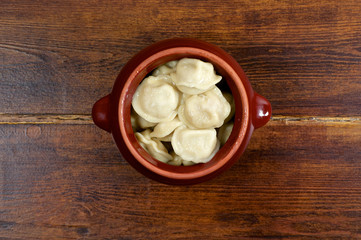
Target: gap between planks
[[86, 119]]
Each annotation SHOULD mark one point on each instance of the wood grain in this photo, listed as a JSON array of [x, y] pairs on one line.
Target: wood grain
[[59, 57], [45, 119], [69, 181], [63, 178]]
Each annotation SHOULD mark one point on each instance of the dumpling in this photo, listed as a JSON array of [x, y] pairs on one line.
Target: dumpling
[[193, 76], [154, 147], [162, 70], [156, 99], [205, 110], [187, 163], [198, 146], [172, 64], [224, 132], [140, 123], [177, 161], [133, 120], [165, 69], [164, 129], [167, 138], [144, 123], [230, 100]]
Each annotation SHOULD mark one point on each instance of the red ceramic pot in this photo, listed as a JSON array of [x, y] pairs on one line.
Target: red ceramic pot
[[112, 112]]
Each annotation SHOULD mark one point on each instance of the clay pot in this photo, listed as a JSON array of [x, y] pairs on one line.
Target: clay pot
[[112, 112]]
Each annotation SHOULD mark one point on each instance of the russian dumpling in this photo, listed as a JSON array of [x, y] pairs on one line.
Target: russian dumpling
[[156, 99], [195, 145], [167, 68], [230, 100], [205, 110], [154, 147], [224, 132], [162, 70], [140, 123], [176, 161], [187, 163], [172, 64], [193, 76], [167, 138], [133, 120], [180, 107], [164, 129]]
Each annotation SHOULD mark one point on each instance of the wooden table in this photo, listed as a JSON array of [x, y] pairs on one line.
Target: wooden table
[[61, 177]]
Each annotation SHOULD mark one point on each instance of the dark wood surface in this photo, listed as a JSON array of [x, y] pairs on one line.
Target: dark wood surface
[[63, 178]]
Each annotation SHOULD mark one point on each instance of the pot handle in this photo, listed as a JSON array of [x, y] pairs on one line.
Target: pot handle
[[100, 113], [262, 110]]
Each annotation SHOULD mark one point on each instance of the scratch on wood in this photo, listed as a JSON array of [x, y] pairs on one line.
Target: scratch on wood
[[83, 119]]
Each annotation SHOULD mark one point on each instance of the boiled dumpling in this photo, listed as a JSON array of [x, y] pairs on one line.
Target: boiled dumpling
[[165, 69], [193, 76], [195, 145], [205, 110], [164, 129], [224, 132], [180, 106], [167, 138], [133, 120], [144, 123], [230, 100], [139, 122], [154, 147], [172, 64], [176, 161], [187, 163], [156, 99], [162, 70]]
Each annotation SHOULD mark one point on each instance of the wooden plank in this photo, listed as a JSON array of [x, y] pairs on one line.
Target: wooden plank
[[296, 180], [59, 57]]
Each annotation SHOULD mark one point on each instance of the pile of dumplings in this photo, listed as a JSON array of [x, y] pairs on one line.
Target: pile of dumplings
[[179, 115]]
